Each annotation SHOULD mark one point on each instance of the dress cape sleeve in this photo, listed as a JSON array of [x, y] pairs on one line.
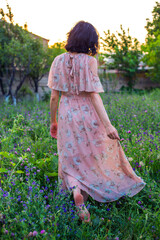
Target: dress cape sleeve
[[76, 75], [89, 79], [56, 79]]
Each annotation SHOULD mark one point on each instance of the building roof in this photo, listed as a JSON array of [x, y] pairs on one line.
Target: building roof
[[37, 36]]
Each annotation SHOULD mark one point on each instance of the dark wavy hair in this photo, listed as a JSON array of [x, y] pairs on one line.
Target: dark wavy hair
[[83, 38]]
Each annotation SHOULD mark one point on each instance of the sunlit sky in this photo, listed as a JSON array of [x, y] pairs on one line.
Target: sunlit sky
[[52, 19]]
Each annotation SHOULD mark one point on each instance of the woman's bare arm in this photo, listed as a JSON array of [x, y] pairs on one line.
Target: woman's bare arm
[[54, 105], [99, 107]]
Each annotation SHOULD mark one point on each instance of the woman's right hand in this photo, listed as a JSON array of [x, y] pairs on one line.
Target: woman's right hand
[[112, 132], [53, 130]]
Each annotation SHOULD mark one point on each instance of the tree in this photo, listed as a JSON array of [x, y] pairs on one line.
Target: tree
[[125, 52], [151, 48], [5, 31], [15, 58], [22, 57], [38, 66], [19, 56], [14, 43], [41, 62], [56, 49]]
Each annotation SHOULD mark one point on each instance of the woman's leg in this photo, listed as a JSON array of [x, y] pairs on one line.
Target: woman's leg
[[79, 200]]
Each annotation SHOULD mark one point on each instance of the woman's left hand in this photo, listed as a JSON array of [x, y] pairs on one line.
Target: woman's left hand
[[53, 130], [112, 132]]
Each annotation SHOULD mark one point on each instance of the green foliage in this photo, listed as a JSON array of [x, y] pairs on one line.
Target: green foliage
[[31, 200], [21, 54], [125, 52], [153, 27], [25, 91], [55, 50], [101, 59], [40, 63], [42, 60], [151, 48], [17, 53]]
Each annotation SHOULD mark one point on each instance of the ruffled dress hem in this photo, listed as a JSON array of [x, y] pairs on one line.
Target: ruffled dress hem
[[129, 192]]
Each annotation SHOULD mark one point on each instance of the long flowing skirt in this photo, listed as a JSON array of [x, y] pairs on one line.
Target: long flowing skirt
[[88, 158]]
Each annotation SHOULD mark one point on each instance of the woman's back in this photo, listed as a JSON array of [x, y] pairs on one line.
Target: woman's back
[[74, 73]]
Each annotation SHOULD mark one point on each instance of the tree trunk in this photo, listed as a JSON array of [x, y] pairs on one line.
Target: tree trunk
[[23, 78], [36, 89], [10, 94], [11, 83], [20, 85], [1, 84]]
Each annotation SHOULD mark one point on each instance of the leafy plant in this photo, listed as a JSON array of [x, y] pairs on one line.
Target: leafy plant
[[151, 48], [124, 51]]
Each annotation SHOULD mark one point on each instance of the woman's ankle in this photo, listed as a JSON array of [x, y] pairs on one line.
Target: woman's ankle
[[78, 199], [79, 202]]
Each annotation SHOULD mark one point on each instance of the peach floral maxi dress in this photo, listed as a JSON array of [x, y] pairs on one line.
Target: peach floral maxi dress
[[88, 158]]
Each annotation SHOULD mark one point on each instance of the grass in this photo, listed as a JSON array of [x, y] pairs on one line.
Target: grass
[[32, 205]]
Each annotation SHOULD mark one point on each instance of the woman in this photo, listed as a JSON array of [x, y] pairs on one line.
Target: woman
[[91, 159]]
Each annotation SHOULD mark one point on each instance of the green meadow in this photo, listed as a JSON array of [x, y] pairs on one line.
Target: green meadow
[[31, 204]]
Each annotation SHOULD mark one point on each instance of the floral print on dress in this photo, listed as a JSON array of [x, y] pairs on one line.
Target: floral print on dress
[[88, 158]]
